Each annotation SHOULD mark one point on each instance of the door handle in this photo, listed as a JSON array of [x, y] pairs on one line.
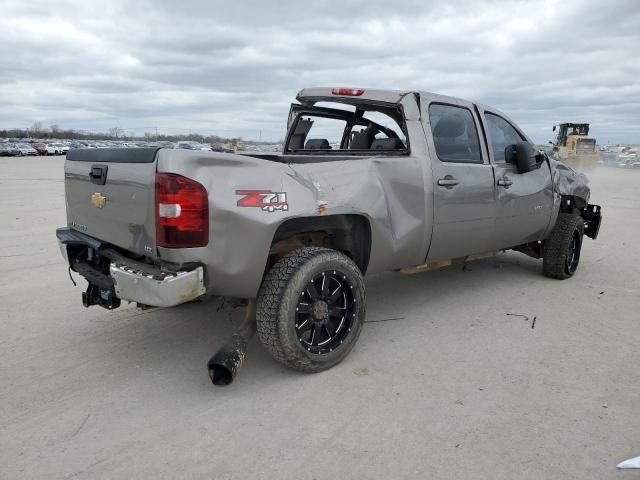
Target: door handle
[[98, 174], [504, 182], [448, 181]]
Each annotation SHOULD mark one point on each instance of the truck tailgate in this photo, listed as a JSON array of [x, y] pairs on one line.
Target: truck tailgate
[[110, 196]]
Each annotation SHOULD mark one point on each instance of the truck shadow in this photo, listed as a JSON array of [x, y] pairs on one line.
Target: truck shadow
[[179, 341]]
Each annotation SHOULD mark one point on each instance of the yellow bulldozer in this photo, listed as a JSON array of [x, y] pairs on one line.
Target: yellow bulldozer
[[573, 146]]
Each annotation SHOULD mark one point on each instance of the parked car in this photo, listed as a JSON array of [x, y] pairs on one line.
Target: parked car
[[62, 147], [52, 149], [4, 150], [436, 181], [12, 150], [186, 146], [26, 149], [41, 148]]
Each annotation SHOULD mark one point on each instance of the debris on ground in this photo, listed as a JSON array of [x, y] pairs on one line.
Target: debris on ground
[[631, 463]]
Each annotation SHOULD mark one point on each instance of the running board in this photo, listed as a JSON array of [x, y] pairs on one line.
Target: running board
[[446, 263]]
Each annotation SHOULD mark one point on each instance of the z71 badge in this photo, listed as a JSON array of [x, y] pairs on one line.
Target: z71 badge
[[266, 199]]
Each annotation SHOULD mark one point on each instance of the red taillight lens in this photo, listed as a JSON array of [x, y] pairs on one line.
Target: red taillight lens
[[182, 212], [352, 92]]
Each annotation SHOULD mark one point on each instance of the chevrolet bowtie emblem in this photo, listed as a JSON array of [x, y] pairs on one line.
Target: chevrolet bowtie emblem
[[98, 200]]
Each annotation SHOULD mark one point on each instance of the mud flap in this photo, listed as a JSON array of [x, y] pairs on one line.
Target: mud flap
[[591, 214]]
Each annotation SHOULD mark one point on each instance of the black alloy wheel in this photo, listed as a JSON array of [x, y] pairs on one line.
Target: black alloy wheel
[[324, 313], [573, 256]]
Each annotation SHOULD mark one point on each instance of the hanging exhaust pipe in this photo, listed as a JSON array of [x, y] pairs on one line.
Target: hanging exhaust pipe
[[225, 364]]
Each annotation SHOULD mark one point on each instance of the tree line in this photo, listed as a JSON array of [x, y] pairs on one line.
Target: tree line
[[114, 133]]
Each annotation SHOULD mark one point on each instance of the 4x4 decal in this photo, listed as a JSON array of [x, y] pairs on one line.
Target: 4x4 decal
[[266, 199]]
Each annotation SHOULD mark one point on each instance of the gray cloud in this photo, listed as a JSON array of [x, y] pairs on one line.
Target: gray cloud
[[233, 68]]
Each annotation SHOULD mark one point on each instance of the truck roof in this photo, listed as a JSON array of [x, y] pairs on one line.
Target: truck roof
[[351, 96], [309, 96]]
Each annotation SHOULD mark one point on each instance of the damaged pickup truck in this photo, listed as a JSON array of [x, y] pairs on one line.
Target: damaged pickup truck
[[369, 181]]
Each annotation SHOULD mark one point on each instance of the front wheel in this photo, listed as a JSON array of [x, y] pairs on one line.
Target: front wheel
[[562, 248], [310, 308]]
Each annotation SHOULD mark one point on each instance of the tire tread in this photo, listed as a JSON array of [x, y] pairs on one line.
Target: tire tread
[[557, 245], [275, 293]]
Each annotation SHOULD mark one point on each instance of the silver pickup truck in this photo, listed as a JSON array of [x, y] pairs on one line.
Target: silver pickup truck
[[368, 181]]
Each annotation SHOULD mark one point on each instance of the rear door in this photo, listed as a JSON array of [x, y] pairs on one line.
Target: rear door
[[110, 195], [524, 201], [464, 197]]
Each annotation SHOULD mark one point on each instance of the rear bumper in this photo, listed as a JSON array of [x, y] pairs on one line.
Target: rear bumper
[[175, 288], [113, 277]]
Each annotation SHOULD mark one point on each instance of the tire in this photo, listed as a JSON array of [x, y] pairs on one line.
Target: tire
[[562, 248], [311, 291]]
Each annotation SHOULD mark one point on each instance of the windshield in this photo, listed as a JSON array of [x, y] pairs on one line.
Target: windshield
[[578, 130]]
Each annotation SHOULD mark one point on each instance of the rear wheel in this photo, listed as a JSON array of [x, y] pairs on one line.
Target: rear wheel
[[310, 309], [562, 248]]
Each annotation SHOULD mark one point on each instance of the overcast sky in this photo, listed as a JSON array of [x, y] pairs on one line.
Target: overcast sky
[[232, 68]]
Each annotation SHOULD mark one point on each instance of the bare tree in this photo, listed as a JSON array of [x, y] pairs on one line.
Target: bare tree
[[55, 129], [116, 132], [36, 129]]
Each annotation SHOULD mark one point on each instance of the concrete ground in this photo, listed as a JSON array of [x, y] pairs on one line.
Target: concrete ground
[[449, 380]]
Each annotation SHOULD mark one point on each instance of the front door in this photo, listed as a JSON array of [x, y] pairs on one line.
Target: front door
[[463, 197], [524, 201]]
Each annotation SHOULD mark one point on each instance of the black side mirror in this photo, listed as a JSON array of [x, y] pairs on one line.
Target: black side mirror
[[524, 156], [554, 128]]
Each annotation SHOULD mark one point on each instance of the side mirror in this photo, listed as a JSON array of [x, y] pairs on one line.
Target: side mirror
[[554, 128], [524, 156]]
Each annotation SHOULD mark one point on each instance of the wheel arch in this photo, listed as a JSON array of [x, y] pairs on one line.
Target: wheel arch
[[347, 233]]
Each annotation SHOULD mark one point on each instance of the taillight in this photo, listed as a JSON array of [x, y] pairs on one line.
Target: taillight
[[182, 212], [352, 92]]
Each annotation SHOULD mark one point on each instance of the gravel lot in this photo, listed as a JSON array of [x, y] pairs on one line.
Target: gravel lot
[[446, 382]]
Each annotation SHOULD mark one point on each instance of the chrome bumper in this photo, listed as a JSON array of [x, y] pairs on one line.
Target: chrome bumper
[[127, 279], [173, 289]]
